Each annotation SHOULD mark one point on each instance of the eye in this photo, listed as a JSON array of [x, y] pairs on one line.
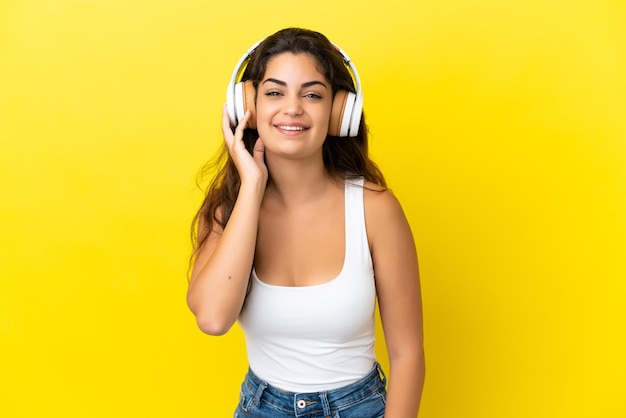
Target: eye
[[313, 96], [273, 93]]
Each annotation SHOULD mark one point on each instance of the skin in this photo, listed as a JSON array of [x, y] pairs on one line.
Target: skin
[[273, 218]]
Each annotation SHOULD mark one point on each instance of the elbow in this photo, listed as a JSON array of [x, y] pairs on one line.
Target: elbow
[[413, 358], [212, 317], [210, 321], [212, 326]]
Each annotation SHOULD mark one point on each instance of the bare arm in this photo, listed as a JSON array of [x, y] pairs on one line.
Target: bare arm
[[399, 299], [221, 271]]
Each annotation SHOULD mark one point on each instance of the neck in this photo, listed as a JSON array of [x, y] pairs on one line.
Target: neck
[[293, 182]]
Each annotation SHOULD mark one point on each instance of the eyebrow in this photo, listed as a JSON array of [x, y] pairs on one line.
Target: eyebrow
[[282, 83]]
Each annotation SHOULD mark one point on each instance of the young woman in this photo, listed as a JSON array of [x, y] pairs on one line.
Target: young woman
[[297, 238]]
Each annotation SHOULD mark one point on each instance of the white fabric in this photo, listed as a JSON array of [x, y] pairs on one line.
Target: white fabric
[[321, 337]]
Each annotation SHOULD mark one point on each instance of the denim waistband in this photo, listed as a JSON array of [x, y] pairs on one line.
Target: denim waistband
[[315, 402]]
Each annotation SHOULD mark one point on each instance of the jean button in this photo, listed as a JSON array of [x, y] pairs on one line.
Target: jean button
[[301, 403]]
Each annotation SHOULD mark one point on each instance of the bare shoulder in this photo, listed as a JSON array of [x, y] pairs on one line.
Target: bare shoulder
[[380, 203], [385, 221]]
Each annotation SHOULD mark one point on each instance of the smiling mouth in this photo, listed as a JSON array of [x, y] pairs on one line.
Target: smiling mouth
[[291, 128]]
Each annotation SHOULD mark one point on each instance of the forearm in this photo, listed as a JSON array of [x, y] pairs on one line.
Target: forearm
[[406, 381], [217, 288]]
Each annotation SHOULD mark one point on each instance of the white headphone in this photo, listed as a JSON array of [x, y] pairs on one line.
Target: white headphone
[[345, 115]]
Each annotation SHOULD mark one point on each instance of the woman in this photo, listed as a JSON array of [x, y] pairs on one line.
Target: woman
[[298, 236]]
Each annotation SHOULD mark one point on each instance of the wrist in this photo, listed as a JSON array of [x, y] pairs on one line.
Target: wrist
[[253, 189]]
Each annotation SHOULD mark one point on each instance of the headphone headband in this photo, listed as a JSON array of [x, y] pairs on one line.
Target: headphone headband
[[230, 91], [352, 120]]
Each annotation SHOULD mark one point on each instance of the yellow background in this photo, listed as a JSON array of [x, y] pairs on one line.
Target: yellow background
[[501, 126]]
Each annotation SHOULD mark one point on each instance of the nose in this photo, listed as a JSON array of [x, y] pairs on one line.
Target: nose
[[292, 105]]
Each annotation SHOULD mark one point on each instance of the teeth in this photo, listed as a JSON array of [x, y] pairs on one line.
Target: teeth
[[291, 128]]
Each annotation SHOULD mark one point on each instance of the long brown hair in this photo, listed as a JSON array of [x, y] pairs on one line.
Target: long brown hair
[[345, 158]]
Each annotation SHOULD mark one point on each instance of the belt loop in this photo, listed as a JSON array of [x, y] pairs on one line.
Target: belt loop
[[258, 394], [381, 373], [325, 404]]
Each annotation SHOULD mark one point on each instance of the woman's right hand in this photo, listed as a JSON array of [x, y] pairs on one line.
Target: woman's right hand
[[251, 168]]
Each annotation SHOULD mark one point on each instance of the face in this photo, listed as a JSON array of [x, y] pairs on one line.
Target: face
[[293, 106]]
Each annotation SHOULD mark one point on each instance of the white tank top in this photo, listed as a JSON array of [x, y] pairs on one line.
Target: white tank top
[[321, 337]]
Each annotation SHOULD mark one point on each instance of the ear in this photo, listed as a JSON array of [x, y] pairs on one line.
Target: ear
[[249, 95], [336, 113]]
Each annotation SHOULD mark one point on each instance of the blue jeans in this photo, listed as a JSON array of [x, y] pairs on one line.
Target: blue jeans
[[362, 399]]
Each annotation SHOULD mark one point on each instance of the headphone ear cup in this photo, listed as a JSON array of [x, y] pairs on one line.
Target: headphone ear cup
[[249, 96], [337, 112], [348, 125], [243, 99], [341, 114]]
